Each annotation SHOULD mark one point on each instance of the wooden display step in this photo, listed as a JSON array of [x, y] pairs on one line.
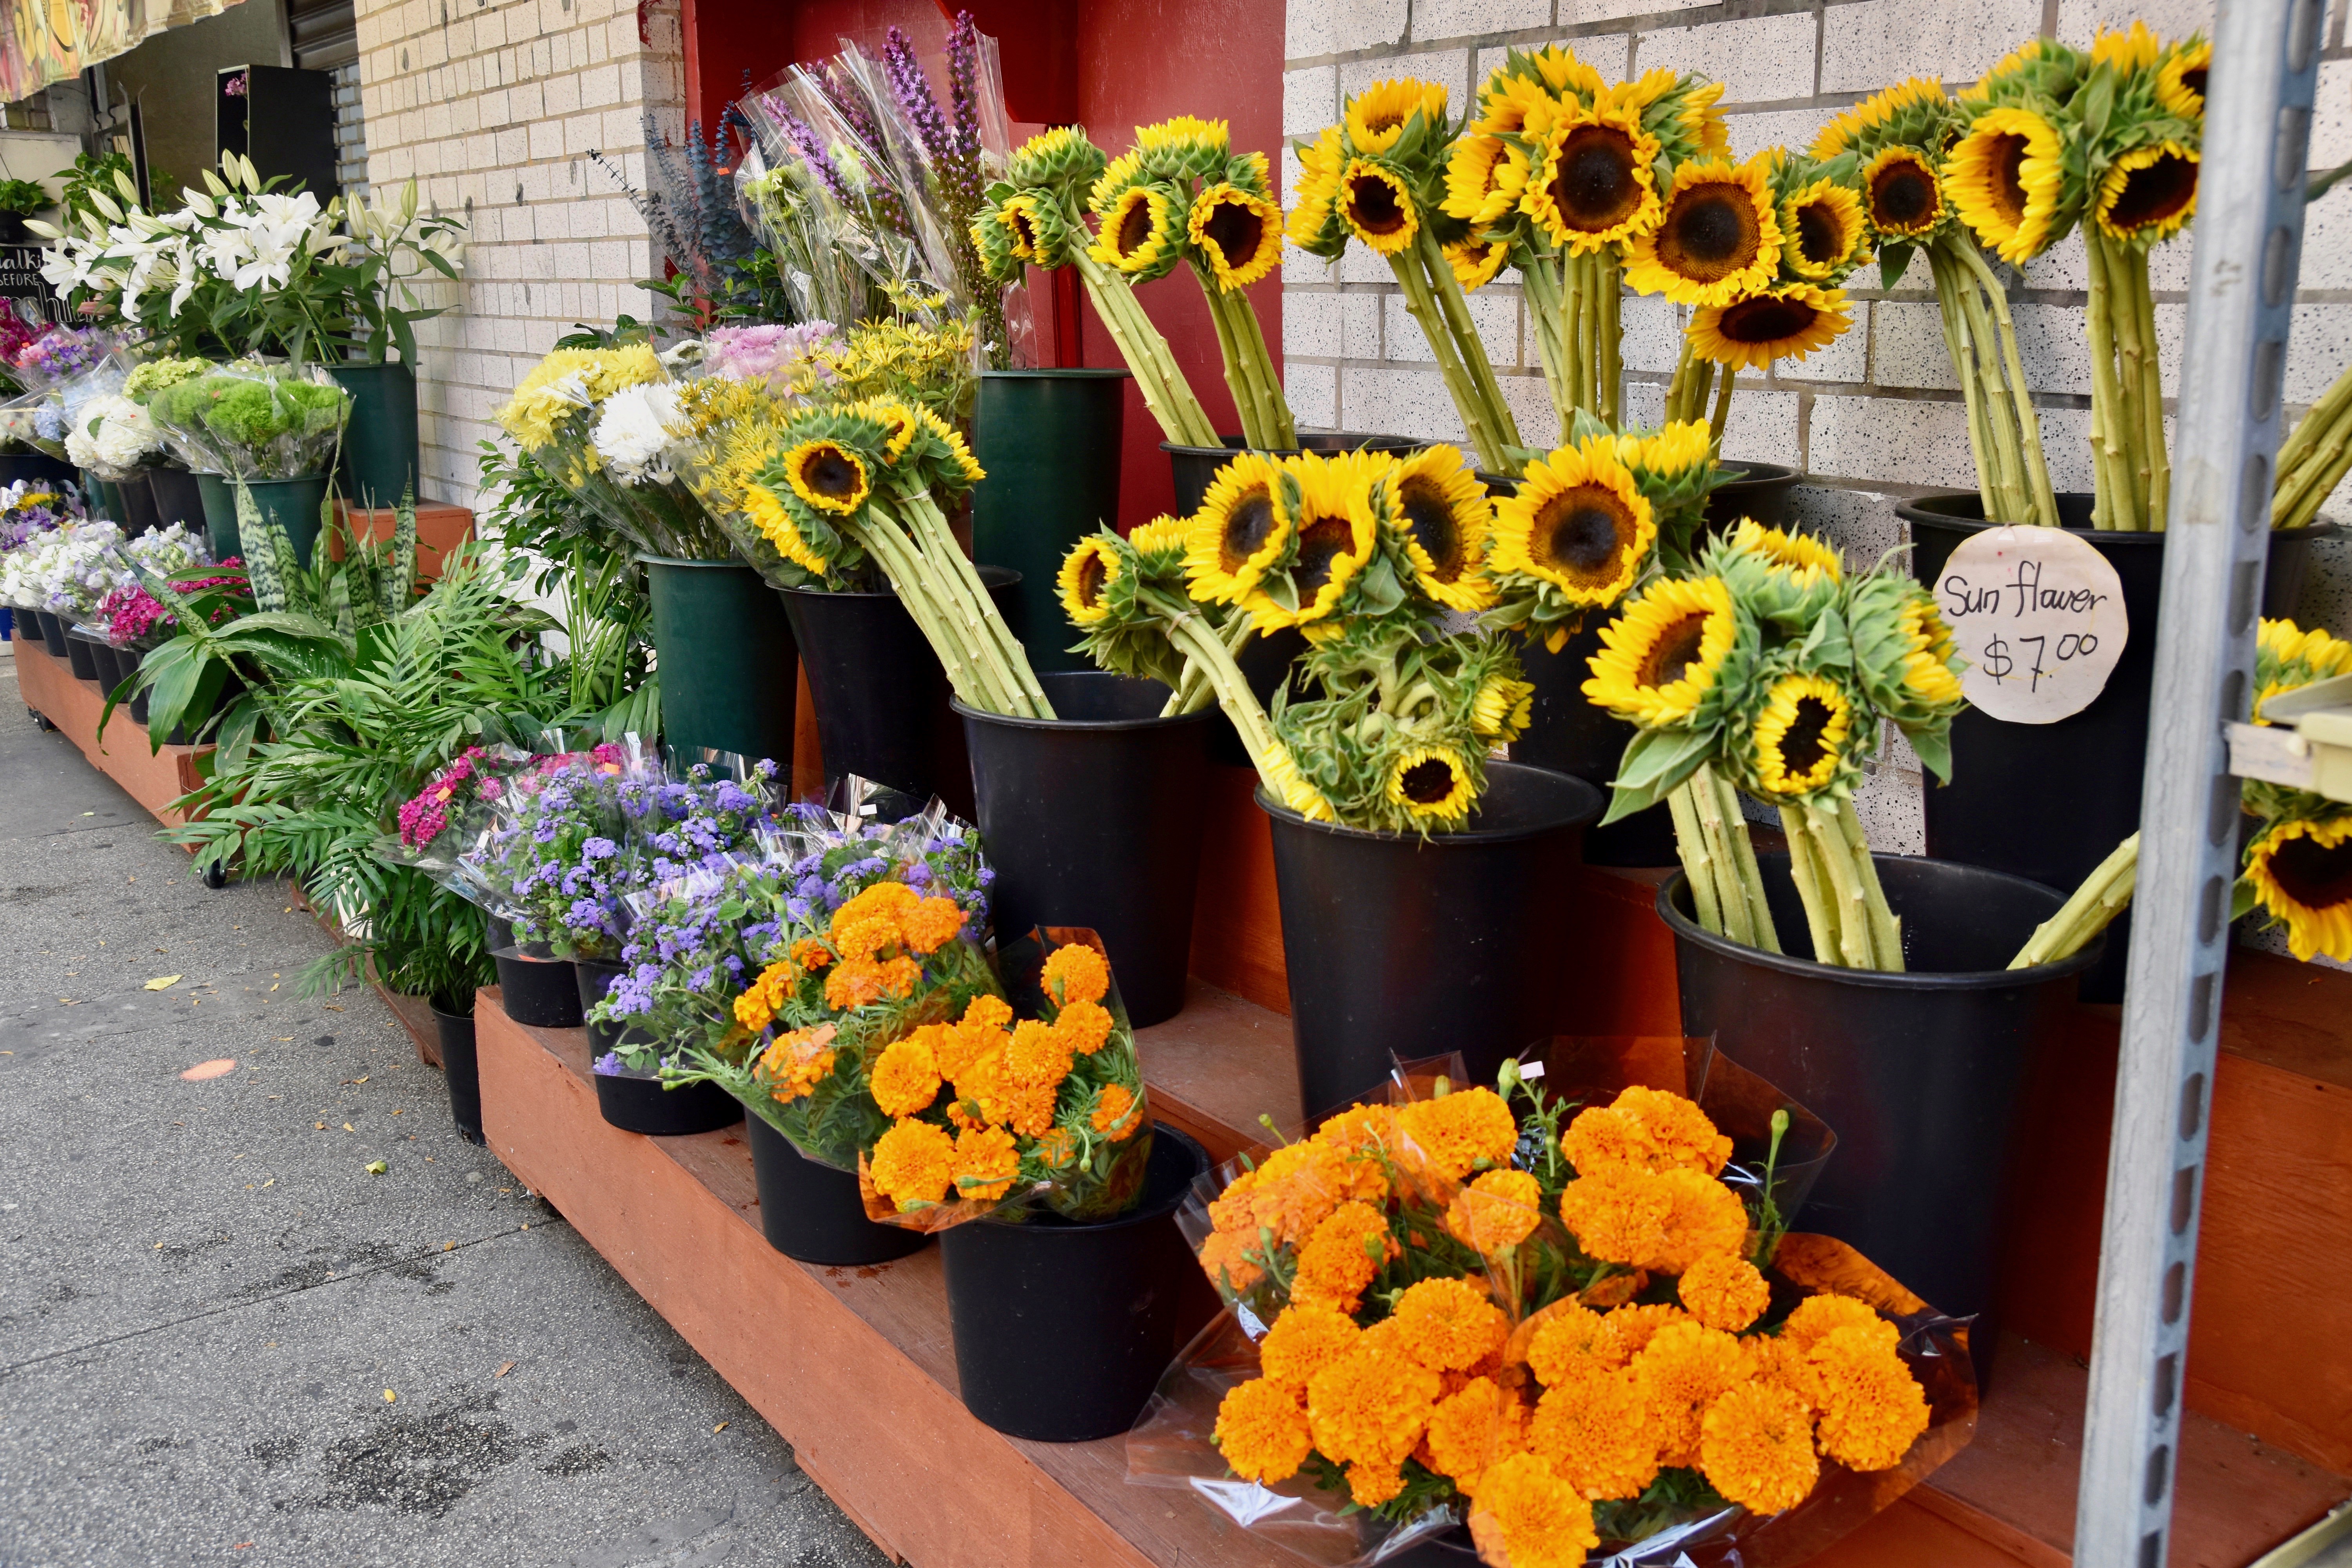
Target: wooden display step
[[154, 778], [440, 529]]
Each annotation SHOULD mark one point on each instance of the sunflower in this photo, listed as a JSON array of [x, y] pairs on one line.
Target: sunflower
[[1378, 116], [1186, 144], [1802, 735], [1018, 217], [1141, 230], [1673, 450], [1052, 156], [1927, 665], [2005, 177], [1902, 194], [2181, 80], [1502, 709], [1484, 176], [1822, 226], [2302, 873], [827, 476], [1337, 532], [1717, 239], [1658, 659], [1475, 265], [1317, 188], [1853, 125], [2149, 192], [1087, 573], [1442, 514], [1790, 321], [2135, 49], [1510, 102], [1239, 231], [774, 521], [1563, 72], [1377, 208], [1429, 782], [1579, 522], [1593, 184], [1239, 531]]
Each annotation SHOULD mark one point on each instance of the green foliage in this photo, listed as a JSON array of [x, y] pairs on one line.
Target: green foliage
[[94, 172], [23, 197]]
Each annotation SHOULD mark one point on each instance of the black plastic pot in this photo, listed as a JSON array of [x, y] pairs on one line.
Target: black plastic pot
[[2049, 802], [1050, 440], [1194, 468], [138, 505], [178, 497], [594, 976], [1760, 490], [80, 655], [17, 466], [108, 664], [1400, 947], [458, 1065], [1094, 818], [538, 991], [880, 695], [1567, 734], [812, 1212], [726, 654], [1918, 1073], [53, 632], [1061, 1329], [128, 660], [643, 1105]]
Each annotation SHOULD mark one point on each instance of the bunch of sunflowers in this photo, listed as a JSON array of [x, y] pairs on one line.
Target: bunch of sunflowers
[[1767, 669], [1562, 1336]]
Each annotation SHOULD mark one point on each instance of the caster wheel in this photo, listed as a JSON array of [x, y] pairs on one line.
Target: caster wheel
[[215, 876], [41, 721]]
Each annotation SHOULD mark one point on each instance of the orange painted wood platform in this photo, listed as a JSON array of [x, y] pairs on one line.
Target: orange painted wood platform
[[440, 529], [154, 778]]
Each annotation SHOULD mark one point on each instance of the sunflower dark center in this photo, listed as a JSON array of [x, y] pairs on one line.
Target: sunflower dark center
[[1134, 228], [2194, 81], [1804, 746], [1320, 545], [1433, 527], [1024, 233], [1247, 527], [1674, 650], [1092, 577], [1903, 198], [2314, 875], [1593, 182], [1711, 233], [2007, 160], [1582, 532], [1426, 781], [1372, 202], [2153, 194], [1765, 319], [1820, 236], [829, 472], [1236, 231]]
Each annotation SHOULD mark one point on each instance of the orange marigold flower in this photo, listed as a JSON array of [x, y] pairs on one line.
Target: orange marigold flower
[[1339, 1260], [1592, 1430], [1572, 1342], [1083, 1027], [1114, 1113], [1645, 1127], [1755, 1447], [1036, 1055], [1817, 1317], [864, 938], [1495, 1212], [986, 1161], [1222, 1261], [1026, 1108], [1075, 973], [1706, 1220], [1631, 1328], [1474, 1428], [1871, 1409], [905, 1077], [756, 1008], [1307, 1337], [1290, 1192], [1775, 1362], [1373, 1485], [1449, 1324], [1371, 1406], [1262, 1431], [869, 922], [930, 924], [795, 1063], [959, 1044], [912, 1164], [1364, 1136], [1684, 1368], [1456, 1134], [1544, 1521], [987, 1013], [1618, 1214], [1724, 1291], [861, 981], [811, 954]]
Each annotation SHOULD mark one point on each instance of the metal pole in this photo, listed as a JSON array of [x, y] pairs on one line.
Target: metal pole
[[2248, 239]]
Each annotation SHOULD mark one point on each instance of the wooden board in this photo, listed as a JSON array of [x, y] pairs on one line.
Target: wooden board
[[153, 778], [440, 529]]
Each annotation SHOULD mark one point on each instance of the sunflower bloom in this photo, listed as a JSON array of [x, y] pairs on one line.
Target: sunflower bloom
[[1755, 1447], [1088, 575], [1801, 738], [1377, 208], [1823, 226], [1141, 230], [1241, 529], [1484, 177], [2301, 875], [1579, 521], [1718, 238], [2149, 193], [1880, 109], [828, 477], [1593, 185], [1445, 513], [1502, 709], [1800, 555], [2005, 177], [1659, 658], [1431, 782], [1476, 264], [1239, 232], [1336, 529], [2181, 81], [1262, 1432], [1317, 190], [1903, 194], [1787, 323], [1378, 116]]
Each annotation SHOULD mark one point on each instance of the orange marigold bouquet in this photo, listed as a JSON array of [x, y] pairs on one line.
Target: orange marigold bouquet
[[1561, 1328]]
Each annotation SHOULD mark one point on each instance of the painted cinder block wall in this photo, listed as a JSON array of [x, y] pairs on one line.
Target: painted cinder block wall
[[1876, 415]]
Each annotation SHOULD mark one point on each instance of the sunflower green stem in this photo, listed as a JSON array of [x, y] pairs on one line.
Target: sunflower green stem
[[2030, 454], [1699, 869], [2104, 895], [1447, 289], [2110, 446], [1165, 390], [1199, 643], [1947, 308], [1886, 930], [915, 594], [1722, 405], [1805, 870], [1743, 856], [969, 595]]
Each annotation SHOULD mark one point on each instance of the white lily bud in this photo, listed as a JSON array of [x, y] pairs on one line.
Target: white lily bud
[[129, 191], [45, 231], [199, 202], [105, 204], [212, 183]]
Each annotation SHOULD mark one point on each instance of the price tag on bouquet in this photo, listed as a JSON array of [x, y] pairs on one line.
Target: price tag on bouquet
[[2038, 614]]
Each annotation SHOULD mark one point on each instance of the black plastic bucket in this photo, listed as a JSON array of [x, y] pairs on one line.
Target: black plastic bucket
[[107, 664], [19, 466], [812, 1212], [2049, 802], [1400, 947], [1918, 1073], [138, 506], [594, 976], [538, 991], [53, 632], [643, 1105], [460, 1068], [880, 695], [80, 656], [1062, 1331], [178, 497], [1567, 734], [1760, 490], [1194, 468], [1094, 819]]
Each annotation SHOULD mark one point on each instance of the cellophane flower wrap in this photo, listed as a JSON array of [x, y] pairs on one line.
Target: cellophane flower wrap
[[65, 571], [30, 508], [113, 437], [544, 859], [254, 421], [1572, 1326]]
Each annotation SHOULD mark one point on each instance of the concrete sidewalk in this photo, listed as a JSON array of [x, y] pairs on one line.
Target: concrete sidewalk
[[223, 1340]]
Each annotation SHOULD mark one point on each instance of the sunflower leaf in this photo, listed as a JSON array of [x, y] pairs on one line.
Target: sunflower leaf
[[2242, 898], [1893, 260], [1585, 428], [1934, 746], [1655, 761]]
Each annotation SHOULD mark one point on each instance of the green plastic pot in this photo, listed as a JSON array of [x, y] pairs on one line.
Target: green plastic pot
[[295, 504], [723, 649], [218, 497], [380, 458], [1050, 442]]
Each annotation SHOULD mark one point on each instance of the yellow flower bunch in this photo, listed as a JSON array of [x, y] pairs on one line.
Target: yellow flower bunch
[[561, 391], [907, 361]]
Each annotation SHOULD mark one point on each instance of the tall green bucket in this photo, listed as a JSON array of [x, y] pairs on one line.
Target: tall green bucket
[[380, 458], [219, 496], [1050, 442], [295, 504], [723, 651]]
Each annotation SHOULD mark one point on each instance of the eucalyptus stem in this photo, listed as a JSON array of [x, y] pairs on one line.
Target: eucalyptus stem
[[2104, 895], [1805, 870], [1691, 845]]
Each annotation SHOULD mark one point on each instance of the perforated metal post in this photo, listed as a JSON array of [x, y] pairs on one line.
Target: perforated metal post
[[2249, 242]]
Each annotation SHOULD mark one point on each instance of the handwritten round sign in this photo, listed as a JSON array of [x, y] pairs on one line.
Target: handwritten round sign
[[2038, 615]]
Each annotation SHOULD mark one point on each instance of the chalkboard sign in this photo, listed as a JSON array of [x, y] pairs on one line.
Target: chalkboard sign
[[24, 289]]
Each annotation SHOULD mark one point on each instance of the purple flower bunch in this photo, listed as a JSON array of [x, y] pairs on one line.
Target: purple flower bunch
[[832, 858], [773, 354], [697, 823], [553, 853], [953, 145], [33, 507], [694, 943], [63, 351]]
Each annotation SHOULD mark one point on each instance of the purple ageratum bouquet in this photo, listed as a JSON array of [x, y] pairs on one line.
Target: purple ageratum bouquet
[[678, 825], [551, 851]]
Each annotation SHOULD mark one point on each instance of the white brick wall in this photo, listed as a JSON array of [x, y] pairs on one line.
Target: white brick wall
[[494, 108]]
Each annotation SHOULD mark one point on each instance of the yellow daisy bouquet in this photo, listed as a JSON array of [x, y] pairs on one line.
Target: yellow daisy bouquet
[[1767, 669], [2107, 137], [1898, 139], [1571, 1325], [1380, 176], [1559, 175], [1036, 215]]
